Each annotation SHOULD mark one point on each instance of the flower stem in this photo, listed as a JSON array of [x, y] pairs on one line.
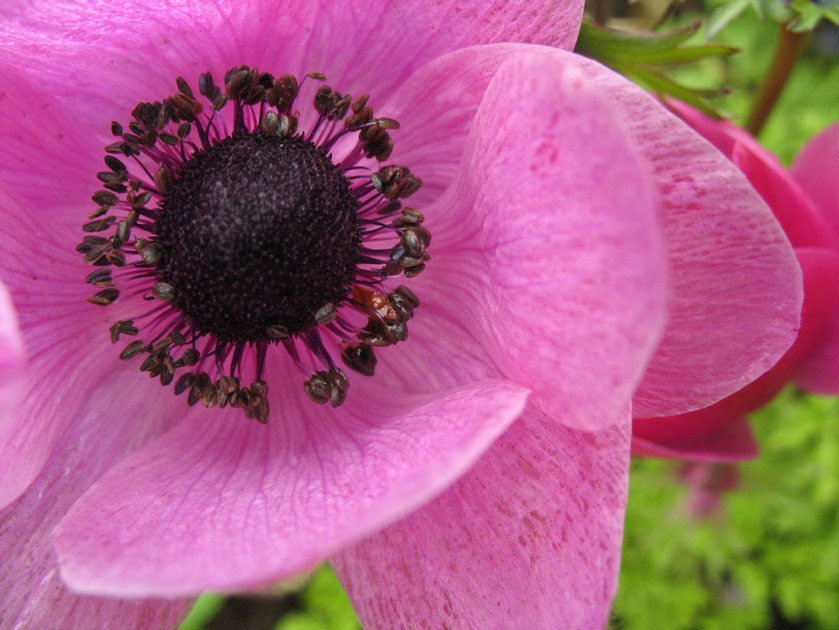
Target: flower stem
[[788, 49]]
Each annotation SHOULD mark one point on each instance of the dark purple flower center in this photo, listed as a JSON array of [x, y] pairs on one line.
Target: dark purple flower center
[[257, 232], [232, 232]]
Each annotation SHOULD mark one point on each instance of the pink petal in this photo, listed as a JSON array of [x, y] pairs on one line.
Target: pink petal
[[529, 538], [45, 278], [48, 298], [550, 231], [736, 294], [236, 504], [35, 166], [806, 225], [705, 434], [801, 220], [32, 595], [692, 437], [12, 383], [103, 57], [817, 169]]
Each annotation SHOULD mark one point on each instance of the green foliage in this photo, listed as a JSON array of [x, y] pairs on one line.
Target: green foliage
[[642, 57], [808, 104], [724, 14], [204, 609], [803, 15], [770, 554], [799, 15], [325, 606]]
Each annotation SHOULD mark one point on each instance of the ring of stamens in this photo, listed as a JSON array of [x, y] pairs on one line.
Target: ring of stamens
[[133, 263]]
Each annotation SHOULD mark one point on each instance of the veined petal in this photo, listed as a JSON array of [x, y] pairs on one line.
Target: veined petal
[[529, 538], [552, 217], [12, 384], [70, 360], [736, 292], [696, 434], [33, 596], [234, 504], [736, 295], [89, 53], [46, 162], [803, 223]]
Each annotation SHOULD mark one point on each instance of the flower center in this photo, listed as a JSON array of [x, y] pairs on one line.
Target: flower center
[[234, 233], [258, 231]]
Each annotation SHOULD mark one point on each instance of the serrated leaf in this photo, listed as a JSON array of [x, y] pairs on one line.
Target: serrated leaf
[[638, 56], [600, 41], [664, 87]]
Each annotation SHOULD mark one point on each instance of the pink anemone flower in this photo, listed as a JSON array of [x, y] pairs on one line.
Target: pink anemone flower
[[591, 255], [805, 204]]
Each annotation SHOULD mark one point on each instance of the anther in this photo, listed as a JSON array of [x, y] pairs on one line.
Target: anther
[[327, 386], [132, 350], [254, 238], [360, 357], [104, 297], [163, 291]]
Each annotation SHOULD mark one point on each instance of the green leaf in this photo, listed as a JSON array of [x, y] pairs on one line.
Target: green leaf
[[725, 14], [807, 14], [639, 58]]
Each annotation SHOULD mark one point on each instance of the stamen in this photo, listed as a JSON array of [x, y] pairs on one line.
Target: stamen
[[164, 164]]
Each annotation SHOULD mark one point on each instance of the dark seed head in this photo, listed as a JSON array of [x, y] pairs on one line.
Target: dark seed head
[[257, 233]]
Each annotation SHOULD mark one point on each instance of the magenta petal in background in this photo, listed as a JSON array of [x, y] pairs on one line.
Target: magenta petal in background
[[817, 170], [731, 441], [528, 539], [232, 505]]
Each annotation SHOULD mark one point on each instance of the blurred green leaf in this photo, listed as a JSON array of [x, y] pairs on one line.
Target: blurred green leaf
[[806, 14], [723, 15], [204, 609], [640, 58], [325, 606]]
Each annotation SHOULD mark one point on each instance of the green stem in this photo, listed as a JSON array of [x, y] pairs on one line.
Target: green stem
[[787, 51]]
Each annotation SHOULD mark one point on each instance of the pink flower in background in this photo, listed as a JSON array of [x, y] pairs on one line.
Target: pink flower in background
[[805, 203], [591, 256], [706, 485]]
